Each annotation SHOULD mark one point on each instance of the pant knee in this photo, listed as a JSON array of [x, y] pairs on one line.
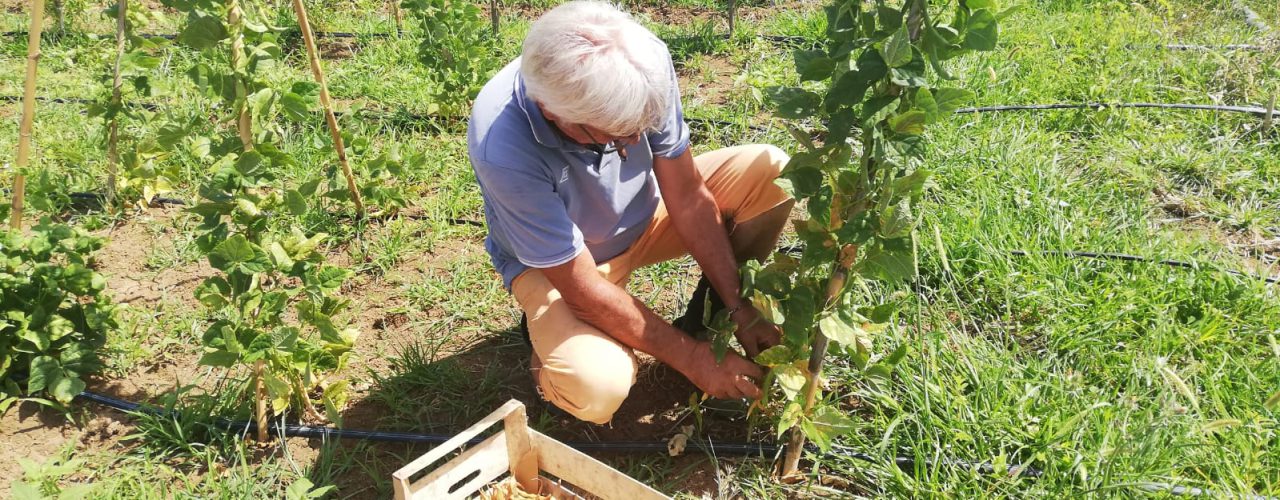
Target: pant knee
[[588, 376]]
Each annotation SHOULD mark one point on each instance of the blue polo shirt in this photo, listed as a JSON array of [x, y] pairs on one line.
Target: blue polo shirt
[[546, 198]]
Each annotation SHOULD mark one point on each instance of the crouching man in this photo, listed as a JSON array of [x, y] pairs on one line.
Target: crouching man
[[583, 159]]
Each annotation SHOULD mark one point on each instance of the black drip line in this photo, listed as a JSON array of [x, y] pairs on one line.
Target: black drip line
[[716, 448]]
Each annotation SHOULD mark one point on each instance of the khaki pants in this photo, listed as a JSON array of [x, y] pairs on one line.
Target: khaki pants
[[585, 371]]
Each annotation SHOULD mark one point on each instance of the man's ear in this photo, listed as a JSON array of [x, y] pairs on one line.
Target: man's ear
[[546, 114]]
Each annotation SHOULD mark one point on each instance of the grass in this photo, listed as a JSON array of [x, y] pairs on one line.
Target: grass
[[1103, 375]]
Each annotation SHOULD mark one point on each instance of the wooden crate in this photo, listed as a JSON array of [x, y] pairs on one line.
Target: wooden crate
[[524, 453]]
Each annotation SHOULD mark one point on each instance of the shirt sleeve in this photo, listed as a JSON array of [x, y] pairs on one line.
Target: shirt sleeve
[[672, 137], [530, 218]]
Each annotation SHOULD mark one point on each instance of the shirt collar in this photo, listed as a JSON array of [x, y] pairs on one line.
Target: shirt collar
[[543, 130]]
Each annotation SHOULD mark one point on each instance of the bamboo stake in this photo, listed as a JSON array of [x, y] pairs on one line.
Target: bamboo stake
[[113, 151], [733, 15], [260, 400], [1271, 111], [395, 10], [244, 122], [329, 118], [28, 113]]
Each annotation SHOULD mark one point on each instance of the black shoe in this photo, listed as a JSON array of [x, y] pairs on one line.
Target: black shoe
[[704, 304]]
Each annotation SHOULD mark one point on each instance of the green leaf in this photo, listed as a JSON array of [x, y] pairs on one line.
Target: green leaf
[[982, 32], [237, 253], [887, 265], [896, 51], [768, 307], [794, 103], [776, 355], [296, 202], [66, 389], [852, 85], [813, 65], [909, 123], [831, 422], [43, 372], [25, 491], [295, 107], [980, 4], [791, 379], [841, 331], [219, 358], [818, 435], [949, 100], [790, 416], [328, 278], [202, 32], [924, 101], [897, 221]]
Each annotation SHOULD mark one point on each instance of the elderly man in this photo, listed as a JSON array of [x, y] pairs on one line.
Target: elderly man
[[582, 155]]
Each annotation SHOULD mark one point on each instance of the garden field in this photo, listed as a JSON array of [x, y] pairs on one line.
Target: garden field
[[1089, 307]]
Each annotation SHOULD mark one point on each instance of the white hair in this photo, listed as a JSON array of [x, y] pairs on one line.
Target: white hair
[[589, 63]]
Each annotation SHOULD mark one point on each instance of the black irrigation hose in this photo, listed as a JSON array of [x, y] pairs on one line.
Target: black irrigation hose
[[797, 249], [1135, 258], [1256, 111], [732, 449]]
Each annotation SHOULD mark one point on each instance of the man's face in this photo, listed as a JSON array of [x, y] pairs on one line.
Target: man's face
[[587, 135]]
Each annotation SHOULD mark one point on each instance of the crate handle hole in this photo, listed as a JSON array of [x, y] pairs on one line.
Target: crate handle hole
[[463, 482]]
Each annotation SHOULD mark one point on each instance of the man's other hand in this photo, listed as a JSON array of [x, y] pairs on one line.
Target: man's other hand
[[734, 377], [754, 333]]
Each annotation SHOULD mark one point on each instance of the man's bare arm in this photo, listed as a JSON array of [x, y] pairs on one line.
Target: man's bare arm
[[611, 309], [697, 220]]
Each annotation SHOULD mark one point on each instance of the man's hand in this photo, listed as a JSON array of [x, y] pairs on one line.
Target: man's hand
[[733, 378], [754, 333]]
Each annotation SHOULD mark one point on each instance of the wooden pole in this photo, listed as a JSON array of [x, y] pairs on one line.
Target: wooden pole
[[1271, 111], [329, 118], [494, 17], [733, 16], [113, 126], [395, 10], [28, 113]]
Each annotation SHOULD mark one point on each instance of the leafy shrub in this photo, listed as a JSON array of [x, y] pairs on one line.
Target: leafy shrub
[[457, 44], [53, 314]]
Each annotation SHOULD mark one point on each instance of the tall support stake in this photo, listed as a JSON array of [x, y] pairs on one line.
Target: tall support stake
[[495, 17], [1270, 118], [316, 71], [113, 127], [733, 17], [28, 113], [399, 15]]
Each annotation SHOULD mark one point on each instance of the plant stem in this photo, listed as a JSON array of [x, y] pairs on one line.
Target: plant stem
[[113, 127], [244, 122], [28, 113], [309, 39]]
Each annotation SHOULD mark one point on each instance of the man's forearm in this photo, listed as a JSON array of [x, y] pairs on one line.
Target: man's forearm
[[609, 308], [705, 236]]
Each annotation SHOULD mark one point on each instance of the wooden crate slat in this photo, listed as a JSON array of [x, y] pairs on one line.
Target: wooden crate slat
[[588, 474]]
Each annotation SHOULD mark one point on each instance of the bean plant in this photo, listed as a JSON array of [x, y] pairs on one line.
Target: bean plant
[[869, 96], [262, 271], [457, 48], [54, 315], [145, 175]]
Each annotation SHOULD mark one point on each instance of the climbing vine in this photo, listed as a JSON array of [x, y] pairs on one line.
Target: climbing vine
[[860, 174]]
